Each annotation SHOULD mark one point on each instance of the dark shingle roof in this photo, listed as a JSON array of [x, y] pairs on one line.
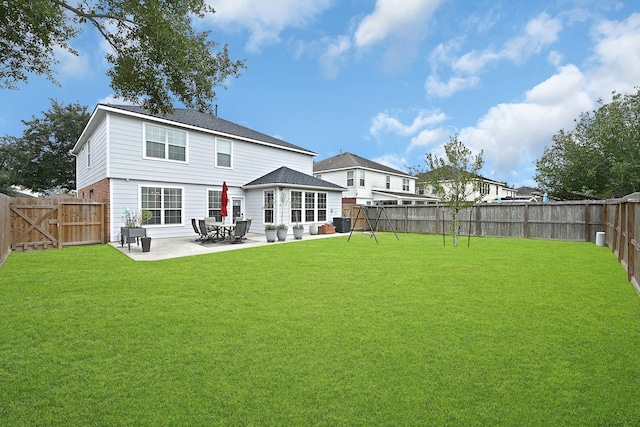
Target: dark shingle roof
[[350, 161], [286, 176], [210, 122]]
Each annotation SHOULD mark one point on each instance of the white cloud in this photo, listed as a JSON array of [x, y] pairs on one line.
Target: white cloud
[[393, 161], [436, 87], [384, 123], [616, 61], [395, 18], [539, 33], [514, 135], [71, 66], [429, 138], [265, 20], [111, 99], [334, 55]]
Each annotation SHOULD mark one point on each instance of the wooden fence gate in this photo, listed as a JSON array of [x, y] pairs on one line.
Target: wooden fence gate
[[38, 224]]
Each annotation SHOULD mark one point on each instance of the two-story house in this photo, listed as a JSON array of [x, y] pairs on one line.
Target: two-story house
[[174, 166], [368, 182], [489, 191]]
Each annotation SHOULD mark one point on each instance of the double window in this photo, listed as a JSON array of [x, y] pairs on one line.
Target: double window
[[405, 184], [164, 203], [165, 143]]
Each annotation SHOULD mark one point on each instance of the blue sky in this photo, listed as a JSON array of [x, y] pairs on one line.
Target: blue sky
[[391, 80]]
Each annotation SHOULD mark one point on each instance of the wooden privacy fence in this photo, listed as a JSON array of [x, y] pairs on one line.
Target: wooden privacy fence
[[572, 220], [561, 220], [622, 234], [47, 223], [5, 227]]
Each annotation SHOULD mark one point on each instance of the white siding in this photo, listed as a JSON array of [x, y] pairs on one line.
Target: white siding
[[97, 171], [249, 160]]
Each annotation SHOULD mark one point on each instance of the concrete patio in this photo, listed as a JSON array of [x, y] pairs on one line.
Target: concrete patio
[[188, 246]]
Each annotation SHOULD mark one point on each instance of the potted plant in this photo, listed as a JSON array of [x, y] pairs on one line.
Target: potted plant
[[145, 217], [298, 231], [282, 232], [132, 229], [270, 232]]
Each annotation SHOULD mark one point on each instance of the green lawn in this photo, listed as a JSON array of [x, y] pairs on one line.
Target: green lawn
[[509, 332]]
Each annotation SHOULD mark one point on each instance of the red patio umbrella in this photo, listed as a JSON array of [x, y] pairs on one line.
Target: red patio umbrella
[[224, 200]]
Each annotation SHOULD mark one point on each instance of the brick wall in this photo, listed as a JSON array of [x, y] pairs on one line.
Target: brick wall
[[100, 191]]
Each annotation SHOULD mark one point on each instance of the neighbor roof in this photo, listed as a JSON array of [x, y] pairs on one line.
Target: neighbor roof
[[350, 161], [290, 177], [205, 122]]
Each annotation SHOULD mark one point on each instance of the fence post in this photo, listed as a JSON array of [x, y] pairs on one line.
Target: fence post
[[526, 221], [587, 219]]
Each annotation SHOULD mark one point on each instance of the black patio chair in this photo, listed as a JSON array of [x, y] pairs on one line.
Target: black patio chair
[[206, 236], [238, 233], [194, 224]]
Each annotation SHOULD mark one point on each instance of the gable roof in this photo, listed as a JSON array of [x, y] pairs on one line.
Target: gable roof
[[197, 120], [289, 177], [351, 161]]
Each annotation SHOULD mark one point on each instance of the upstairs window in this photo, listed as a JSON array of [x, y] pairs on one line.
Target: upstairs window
[[164, 143], [388, 183], [88, 153], [361, 178], [405, 184], [485, 188], [349, 178], [223, 153]]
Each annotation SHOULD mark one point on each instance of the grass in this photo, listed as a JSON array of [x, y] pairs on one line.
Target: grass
[[327, 332]]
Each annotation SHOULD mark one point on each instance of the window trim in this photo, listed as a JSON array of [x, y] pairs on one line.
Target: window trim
[[217, 152], [166, 144], [162, 204]]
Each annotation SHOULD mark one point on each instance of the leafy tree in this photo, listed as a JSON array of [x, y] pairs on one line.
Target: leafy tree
[[40, 159], [600, 156], [455, 179], [155, 51]]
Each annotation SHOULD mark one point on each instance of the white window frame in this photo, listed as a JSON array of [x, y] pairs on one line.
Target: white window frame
[[218, 152], [163, 204], [268, 205], [166, 143], [361, 179], [88, 153], [350, 178]]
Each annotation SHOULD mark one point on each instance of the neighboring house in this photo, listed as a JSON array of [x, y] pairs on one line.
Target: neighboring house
[[175, 165], [490, 190], [368, 182]]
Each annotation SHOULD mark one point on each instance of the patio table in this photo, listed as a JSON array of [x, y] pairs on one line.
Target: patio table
[[220, 228]]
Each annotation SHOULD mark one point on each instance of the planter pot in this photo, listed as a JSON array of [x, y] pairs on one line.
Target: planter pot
[[146, 244], [271, 235], [313, 229], [298, 232], [282, 234]]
